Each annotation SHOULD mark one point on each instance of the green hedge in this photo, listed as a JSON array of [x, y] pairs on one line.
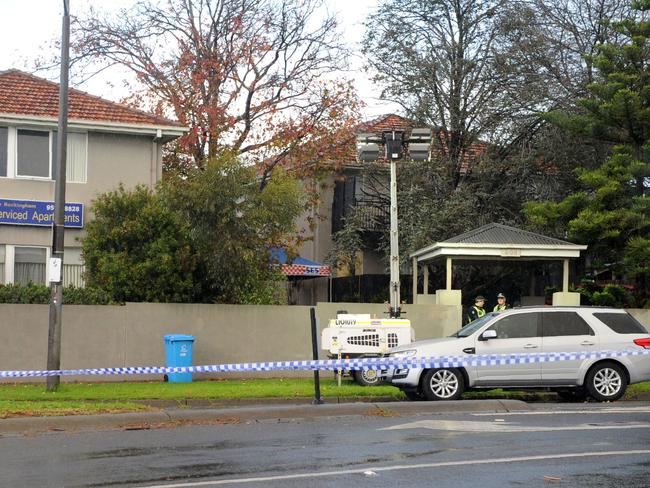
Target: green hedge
[[40, 294]]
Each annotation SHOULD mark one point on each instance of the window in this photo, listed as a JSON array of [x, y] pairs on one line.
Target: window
[[29, 265], [33, 153], [75, 170], [30, 153], [621, 323], [73, 267], [564, 324], [4, 138], [517, 326]]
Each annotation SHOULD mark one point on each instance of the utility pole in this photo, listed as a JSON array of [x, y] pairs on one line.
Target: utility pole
[[56, 259]]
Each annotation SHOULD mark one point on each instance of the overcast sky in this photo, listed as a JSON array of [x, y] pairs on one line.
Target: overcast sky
[[28, 27]]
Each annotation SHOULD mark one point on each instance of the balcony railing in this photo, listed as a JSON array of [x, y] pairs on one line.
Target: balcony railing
[[372, 213]]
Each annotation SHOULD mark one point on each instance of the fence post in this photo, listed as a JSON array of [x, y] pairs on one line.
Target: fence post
[[314, 345]]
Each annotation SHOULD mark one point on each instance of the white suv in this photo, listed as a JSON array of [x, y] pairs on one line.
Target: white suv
[[533, 330]]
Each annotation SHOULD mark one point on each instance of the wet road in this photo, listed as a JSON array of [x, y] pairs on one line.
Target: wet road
[[554, 445]]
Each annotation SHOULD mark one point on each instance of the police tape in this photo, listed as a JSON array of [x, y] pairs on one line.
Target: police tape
[[376, 363]]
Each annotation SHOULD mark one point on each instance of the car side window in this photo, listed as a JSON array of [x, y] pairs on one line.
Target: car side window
[[517, 326], [564, 324]]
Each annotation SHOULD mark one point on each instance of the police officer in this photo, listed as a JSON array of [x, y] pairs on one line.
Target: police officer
[[501, 305], [476, 311]]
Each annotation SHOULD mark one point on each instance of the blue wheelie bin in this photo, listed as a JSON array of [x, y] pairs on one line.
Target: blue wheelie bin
[[178, 352]]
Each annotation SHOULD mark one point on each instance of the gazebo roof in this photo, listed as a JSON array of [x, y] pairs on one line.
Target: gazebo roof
[[500, 241]]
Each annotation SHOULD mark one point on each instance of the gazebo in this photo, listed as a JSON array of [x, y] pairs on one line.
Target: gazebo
[[493, 242]]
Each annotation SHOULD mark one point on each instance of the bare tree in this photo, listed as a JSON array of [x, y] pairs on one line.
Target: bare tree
[[248, 76], [437, 59], [549, 45]]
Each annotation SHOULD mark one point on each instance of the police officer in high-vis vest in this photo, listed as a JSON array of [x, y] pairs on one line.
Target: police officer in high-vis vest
[[501, 305], [476, 311]]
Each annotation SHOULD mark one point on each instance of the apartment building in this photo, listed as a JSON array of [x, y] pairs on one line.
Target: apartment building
[[108, 144]]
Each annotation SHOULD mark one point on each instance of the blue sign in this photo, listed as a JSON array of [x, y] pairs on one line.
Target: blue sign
[[35, 212]]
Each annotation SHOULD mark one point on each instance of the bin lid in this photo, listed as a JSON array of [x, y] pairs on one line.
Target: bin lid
[[178, 337]]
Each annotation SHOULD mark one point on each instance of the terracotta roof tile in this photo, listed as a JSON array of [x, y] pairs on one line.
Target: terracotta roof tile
[[25, 94]]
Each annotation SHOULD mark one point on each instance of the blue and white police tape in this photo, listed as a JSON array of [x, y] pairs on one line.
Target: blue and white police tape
[[378, 363]]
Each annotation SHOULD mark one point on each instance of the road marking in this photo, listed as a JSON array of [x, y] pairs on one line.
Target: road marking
[[506, 427], [568, 412], [361, 471]]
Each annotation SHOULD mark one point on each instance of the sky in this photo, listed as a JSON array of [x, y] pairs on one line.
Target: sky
[[29, 27]]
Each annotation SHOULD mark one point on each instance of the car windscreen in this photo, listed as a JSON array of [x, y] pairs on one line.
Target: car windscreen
[[621, 323], [472, 327]]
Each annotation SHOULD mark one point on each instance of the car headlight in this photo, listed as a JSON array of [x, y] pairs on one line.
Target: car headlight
[[403, 354]]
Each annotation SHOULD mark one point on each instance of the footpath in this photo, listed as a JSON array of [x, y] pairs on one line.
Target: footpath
[[170, 415]]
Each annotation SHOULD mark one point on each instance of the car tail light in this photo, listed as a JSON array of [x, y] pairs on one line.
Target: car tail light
[[645, 343]]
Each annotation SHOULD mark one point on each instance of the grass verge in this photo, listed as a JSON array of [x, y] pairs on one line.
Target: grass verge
[[90, 398], [10, 408], [93, 398]]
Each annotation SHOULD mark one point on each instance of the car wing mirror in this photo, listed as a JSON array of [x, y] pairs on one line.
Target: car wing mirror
[[488, 334]]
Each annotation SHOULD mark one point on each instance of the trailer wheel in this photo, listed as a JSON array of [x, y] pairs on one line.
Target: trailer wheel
[[367, 377]]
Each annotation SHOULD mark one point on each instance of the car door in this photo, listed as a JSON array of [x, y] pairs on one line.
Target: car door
[[517, 333], [565, 331]]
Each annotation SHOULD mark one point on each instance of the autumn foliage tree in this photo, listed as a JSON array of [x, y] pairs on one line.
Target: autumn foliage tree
[[249, 76]]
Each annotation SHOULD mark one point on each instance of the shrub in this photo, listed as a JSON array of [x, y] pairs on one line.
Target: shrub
[[40, 294], [607, 296]]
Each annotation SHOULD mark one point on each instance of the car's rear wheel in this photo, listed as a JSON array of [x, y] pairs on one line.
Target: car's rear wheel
[[606, 382], [443, 384]]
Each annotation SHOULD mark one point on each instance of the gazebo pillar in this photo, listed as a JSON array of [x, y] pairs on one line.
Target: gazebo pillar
[[415, 280], [565, 297], [425, 289], [449, 296]]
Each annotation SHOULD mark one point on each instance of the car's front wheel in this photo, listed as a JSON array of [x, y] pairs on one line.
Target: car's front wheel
[[443, 384], [606, 382]]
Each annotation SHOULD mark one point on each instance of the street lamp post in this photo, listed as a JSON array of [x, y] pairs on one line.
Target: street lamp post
[[396, 146]]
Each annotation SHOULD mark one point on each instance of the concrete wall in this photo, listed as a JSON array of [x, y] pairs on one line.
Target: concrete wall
[[132, 335]]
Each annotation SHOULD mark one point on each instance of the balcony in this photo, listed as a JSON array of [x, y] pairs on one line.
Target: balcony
[[372, 213]]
